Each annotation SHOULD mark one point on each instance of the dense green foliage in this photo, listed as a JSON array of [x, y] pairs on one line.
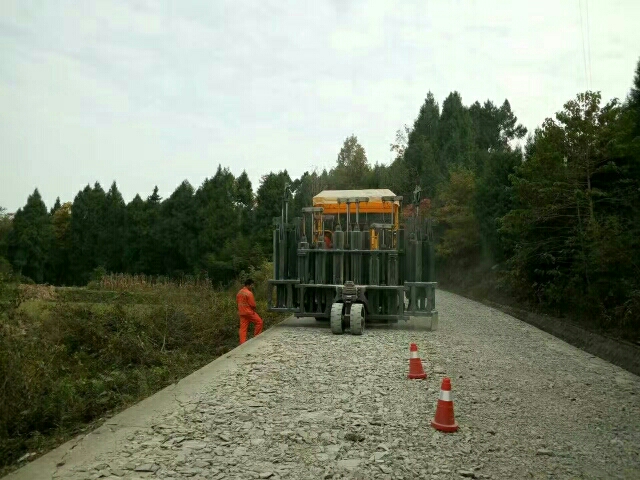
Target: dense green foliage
[[555, 221], [210, 232], [574, 224]]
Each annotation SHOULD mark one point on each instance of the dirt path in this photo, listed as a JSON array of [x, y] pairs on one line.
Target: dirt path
[[301, 403]]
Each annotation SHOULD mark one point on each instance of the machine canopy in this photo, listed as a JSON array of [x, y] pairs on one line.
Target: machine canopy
[[380, 200]]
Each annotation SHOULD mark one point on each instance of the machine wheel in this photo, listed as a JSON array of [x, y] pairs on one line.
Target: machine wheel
[[357, 319], [336, 318]]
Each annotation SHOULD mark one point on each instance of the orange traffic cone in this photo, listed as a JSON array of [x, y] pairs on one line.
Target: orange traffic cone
[[415, 364], [443, 419]]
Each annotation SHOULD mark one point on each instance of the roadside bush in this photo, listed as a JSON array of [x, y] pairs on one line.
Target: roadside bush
[[6, 272]]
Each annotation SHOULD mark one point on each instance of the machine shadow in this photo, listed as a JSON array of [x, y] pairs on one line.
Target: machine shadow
[[309, 322]]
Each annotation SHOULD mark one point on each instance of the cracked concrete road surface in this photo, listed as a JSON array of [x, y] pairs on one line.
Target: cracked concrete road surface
[[301, 403]]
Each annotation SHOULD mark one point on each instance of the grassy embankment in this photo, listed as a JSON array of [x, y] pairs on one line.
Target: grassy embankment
[[69, 357]]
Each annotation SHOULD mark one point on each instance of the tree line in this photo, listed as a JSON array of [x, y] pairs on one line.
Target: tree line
[[204, 231], [554, 211]]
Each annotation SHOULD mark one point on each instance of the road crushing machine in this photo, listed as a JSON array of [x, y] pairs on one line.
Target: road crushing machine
[[354, 256]]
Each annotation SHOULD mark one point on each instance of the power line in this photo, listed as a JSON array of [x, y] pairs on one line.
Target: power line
[[588, 43], [584, 53], [587, 71]]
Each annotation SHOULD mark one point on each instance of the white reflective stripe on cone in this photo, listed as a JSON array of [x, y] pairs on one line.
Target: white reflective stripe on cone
[[445, 395], [414, 355]]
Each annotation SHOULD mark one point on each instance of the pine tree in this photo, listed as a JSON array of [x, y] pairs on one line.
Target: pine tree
[[152, 240], [30, 238], [6, 225], [61, 248], [113, 229], [135, 235], [88, 233], [634, 101], [179, 231], [455, 135], [352, 165], [421, 154], [243, 198]]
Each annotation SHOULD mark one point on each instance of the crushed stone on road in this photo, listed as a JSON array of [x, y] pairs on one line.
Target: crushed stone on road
[[312, 405]]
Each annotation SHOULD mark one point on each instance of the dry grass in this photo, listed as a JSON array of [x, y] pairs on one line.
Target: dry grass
[[123, 282], [37, 292]]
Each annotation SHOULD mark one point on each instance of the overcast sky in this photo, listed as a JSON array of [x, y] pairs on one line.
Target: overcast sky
[[151, 93]]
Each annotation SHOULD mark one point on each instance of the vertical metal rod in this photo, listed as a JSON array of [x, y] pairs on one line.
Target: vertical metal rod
[[275, 254], [286, 207], [282, 220], [384, 204], [348, 221]]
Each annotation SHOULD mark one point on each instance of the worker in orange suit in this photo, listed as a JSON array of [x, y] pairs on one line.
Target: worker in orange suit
[[247, 311]]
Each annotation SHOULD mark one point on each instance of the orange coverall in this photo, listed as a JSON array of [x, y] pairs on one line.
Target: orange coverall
[[247, 312]]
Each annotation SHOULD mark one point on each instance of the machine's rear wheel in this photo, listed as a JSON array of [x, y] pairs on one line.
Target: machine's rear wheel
[[336, 318], [357, 319]]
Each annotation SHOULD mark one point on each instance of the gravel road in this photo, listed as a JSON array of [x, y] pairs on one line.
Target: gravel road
[[305, 404]]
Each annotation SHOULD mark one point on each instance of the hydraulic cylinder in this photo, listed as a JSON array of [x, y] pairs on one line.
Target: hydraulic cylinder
[[338, 257]]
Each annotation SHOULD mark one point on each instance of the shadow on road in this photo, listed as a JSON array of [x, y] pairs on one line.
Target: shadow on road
[[307, 322]]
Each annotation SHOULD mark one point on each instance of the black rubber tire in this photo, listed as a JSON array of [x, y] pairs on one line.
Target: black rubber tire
[[336, 319], [356, 319]]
